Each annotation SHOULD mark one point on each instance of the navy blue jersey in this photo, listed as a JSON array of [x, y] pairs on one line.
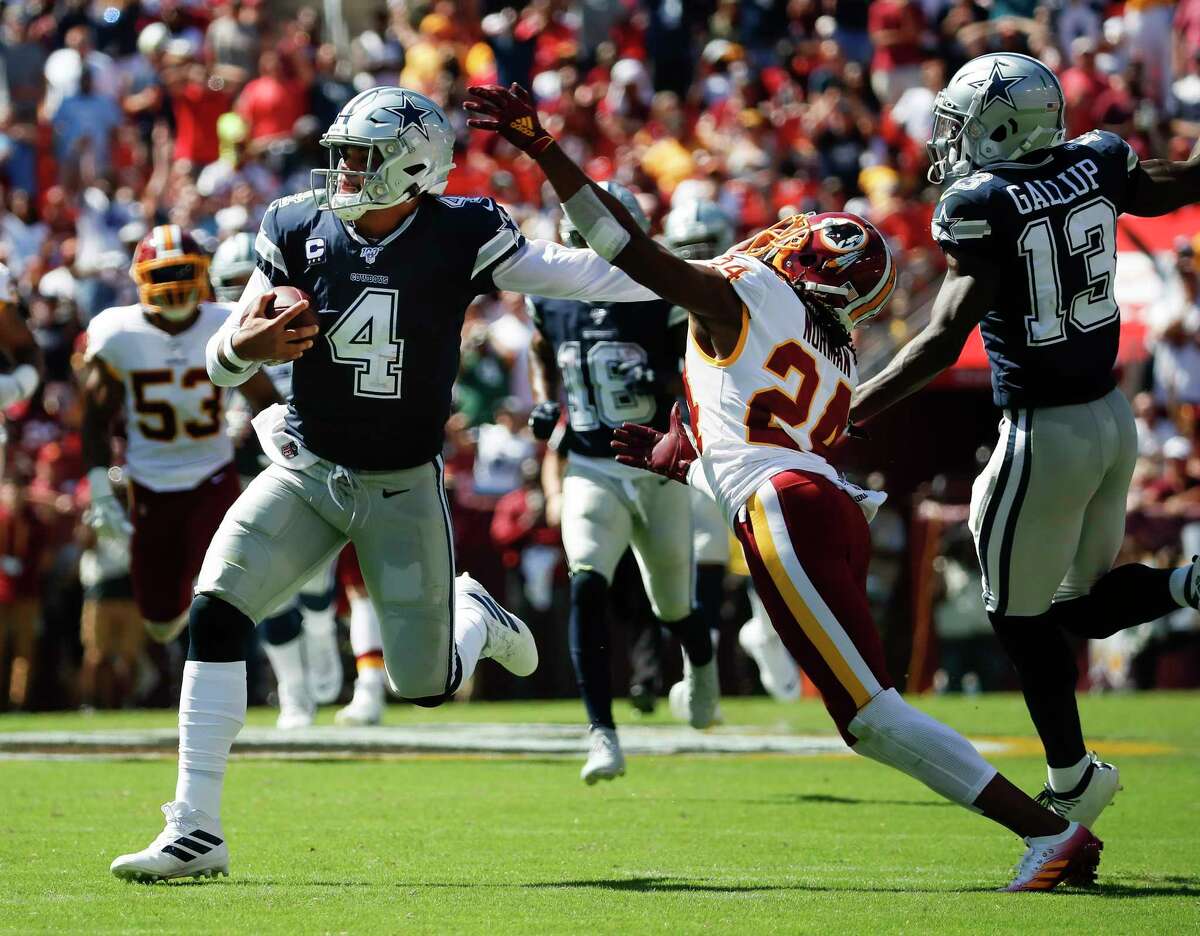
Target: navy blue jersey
[[591, 340], [374, 390], [1049, 222]]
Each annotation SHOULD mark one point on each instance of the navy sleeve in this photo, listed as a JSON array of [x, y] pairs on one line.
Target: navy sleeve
[[269, 247], [962, 221]]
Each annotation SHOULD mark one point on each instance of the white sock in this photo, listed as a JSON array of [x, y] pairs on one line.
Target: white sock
[[1063, 779], [321, 622], [371, 677], [287, 660], [470, 632], [365, 634], [1178, 585], [212, 710]]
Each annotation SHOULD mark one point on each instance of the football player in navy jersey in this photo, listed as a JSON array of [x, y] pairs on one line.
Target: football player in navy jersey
[[1028, 226], [390, 267], [619, 362]]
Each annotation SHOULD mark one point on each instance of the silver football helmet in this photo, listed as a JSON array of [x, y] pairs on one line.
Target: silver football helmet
[[996, 108], [569, 237], [232, 266], [409, 147], [697, 230]]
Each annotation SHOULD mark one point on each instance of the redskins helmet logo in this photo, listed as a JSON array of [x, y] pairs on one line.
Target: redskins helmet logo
[[842, 235]]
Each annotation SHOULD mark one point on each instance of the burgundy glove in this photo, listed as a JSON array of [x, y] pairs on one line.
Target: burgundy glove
[[509, 112], [669, 454]]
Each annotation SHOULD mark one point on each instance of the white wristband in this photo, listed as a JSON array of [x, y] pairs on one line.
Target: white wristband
[[595, 222], [232, 356]]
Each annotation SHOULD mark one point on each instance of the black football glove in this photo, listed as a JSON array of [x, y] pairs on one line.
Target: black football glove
[[543, 418], [637, 377]]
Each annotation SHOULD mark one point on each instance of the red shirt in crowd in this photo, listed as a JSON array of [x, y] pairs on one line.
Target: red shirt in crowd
[[271, 106], [197, 107], [900, 16], [21, 542]]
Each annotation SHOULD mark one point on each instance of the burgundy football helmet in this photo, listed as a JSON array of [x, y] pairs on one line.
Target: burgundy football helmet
[[171, 272], [835, 259]]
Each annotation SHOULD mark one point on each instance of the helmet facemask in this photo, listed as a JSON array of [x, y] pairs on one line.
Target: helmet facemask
[[172, 286], [351, 193], [944, 147]]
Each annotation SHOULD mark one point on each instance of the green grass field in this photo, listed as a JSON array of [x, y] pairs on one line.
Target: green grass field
[[716, 844]]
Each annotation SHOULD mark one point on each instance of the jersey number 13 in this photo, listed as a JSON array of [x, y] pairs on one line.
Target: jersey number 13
[[365, 338], [1090, 232]]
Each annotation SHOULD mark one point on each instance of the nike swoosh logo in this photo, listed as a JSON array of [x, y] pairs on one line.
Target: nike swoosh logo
[[387, 493]]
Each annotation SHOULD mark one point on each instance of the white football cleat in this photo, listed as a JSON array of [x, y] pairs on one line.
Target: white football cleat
[[696, 698], [191, 845], [296, 709], [1084, 803], [366, 706], [605, 760], [323, 665], [509, 641], [777, 671], [1071, 860]]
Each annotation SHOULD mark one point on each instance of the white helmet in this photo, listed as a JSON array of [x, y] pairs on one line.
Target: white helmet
[[697, 230], [232, 266], [570, 237], [411, 150], [997, 107]]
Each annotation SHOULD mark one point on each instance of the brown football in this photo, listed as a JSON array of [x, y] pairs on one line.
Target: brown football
[[288, 296]]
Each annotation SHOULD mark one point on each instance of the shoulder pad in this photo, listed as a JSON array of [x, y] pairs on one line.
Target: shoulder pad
[[288, 200], [1106, 143], [962, 212]]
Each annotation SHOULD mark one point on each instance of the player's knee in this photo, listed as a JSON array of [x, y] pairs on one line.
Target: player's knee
[[672, 608], [1038, 650], [588, 585], [218, 630], [281, 628]]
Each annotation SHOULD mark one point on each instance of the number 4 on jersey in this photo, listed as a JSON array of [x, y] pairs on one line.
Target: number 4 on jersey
[[365, 338]]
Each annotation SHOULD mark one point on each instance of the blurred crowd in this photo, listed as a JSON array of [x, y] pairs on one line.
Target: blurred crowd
[[116, 115]]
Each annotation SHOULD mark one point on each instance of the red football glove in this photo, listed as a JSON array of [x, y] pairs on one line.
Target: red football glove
[[669, 454], [509, 112]]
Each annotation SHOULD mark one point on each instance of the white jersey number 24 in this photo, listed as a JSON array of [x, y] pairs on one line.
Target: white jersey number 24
[[365, 338]]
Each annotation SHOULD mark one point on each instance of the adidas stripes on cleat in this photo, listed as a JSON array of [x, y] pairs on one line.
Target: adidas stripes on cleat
[[191, 845]]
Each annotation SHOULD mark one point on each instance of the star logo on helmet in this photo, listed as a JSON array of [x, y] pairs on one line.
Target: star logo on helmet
[[996, 87], [411, 114], [944, 225]]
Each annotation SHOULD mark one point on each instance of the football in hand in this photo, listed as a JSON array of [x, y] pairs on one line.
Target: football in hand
[[285, 298]]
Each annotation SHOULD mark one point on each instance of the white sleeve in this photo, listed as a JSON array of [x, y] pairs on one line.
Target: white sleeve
[[544, 268], [225, 368]]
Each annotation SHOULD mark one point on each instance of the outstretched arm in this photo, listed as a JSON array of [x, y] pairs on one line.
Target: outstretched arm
[[601, 218], [1160, 186], [966, 296]]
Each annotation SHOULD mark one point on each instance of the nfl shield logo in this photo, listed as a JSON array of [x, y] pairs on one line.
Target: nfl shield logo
[[598, 315], [368, 254], [289, 450]]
